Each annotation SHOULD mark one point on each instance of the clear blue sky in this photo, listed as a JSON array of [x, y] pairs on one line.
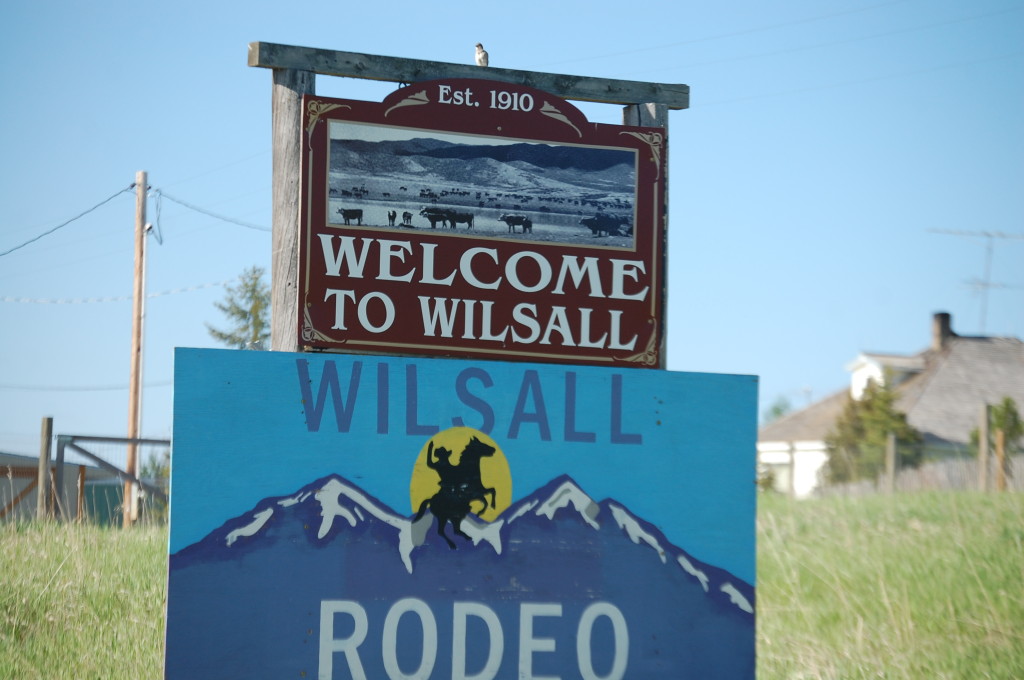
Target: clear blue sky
[[824, 141]]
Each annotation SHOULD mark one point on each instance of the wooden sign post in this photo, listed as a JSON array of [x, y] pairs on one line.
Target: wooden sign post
[[295, 69]]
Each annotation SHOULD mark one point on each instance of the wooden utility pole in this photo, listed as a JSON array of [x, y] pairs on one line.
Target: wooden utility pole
[[295, 69], [130, 503], [43, 480]]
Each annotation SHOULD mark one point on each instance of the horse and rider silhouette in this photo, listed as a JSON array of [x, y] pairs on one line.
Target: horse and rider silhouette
[[460, 486]]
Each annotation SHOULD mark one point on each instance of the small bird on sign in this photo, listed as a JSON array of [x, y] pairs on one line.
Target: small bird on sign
[[481, 55]]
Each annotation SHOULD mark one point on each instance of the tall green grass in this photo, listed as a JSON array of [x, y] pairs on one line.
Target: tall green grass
[[918, 586], [923, 586], [81, 602]]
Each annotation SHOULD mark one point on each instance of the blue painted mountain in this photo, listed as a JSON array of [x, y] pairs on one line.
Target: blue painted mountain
[[246, 600]]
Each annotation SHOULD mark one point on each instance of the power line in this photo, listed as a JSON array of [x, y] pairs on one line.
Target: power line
[[59, 226], [82, 388], [248, 225], [733, 34], [834, 43], [119, 298], [219, 168], [853, 83]]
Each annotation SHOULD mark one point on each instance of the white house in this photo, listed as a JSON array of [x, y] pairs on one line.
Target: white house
[[941, 389]]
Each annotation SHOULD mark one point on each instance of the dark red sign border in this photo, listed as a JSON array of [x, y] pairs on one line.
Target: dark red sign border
[[616, 318]]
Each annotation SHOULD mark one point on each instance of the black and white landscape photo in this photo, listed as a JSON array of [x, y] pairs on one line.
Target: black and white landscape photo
[[404, 178]]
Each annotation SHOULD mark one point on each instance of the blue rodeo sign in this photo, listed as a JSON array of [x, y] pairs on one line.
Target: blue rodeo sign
[[343, 516]]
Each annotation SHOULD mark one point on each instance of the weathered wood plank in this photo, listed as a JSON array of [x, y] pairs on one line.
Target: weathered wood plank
[[396, 69], [45, 438], [286, 115]]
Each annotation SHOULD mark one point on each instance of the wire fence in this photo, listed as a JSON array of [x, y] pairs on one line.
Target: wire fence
[[85, 480], [954, 474]]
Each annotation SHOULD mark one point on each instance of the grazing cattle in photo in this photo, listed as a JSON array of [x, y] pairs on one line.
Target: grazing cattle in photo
[[349, 215], [407, 218], [457, 218], [392, 216], [603, 224], [435, 215], [514, 221]]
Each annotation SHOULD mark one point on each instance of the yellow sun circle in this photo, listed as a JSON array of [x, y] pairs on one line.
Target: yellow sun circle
[[494, 471]]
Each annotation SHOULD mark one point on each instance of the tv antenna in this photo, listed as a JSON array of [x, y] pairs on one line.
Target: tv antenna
[[985, 283]]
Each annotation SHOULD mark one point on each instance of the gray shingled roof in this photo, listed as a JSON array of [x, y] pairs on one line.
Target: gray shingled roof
[[22, 461], [943, 401], [809, 424]]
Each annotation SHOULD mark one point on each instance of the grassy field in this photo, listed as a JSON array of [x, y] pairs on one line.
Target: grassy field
[[81, 602], [911, 586], [925, 586]]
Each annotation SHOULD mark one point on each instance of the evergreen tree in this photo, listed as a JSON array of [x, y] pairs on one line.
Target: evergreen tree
[[157, 467], [779, 408], [247, 307], [856, 443], [157, 470]]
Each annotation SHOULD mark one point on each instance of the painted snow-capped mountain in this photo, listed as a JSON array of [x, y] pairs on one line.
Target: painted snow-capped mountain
[[332, 541]]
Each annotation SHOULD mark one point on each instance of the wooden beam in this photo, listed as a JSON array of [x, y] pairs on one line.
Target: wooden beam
[[20, 497], [286, 123], [398, 70], [80, 509], [19, 472]]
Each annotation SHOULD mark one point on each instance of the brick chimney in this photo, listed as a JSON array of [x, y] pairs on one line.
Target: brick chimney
[[942, 330]]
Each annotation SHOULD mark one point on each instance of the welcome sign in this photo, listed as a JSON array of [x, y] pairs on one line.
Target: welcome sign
[[345, 516], [473, 218]]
